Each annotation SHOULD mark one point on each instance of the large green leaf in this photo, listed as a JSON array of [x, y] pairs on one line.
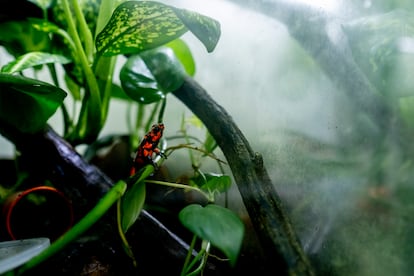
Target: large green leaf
[[132, 204], [141, 25], [33, 59], [216, 224], [26, 104], [138, 82], [134, 199], [147, 77]]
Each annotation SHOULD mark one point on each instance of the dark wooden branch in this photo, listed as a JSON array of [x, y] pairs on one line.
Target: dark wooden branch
[[47, 156], [278, 239]]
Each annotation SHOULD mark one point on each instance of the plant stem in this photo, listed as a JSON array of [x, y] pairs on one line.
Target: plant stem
[[176, 185], [125, 243], [67, 37], [188, 257], [200, 267], [199, 256], [209, 154], [84, 30], [162, 109], [66, 118], [152, 116], [139, 116], [203, 254], [104, 66], [93, 102], [104, 72]]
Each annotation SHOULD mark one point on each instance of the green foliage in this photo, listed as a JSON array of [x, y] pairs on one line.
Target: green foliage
[[140, 25], [26, 104], [135, 26], [134, 199], [132, 204], [216, 224], [205, 29], [147, 77]]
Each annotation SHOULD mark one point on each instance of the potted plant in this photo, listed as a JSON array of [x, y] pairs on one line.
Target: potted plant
[[84, 40]]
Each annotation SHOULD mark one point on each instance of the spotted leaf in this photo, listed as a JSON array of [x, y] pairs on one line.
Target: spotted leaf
[[136, 26], [33, 59]]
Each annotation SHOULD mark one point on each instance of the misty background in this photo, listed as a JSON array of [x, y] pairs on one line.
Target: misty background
[[342, 166]]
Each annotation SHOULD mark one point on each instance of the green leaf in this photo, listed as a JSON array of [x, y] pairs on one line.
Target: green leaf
[[132, 204], [138, 82], [136, 26], [33, 59], [216, 224], [134, 199], [204, 28], [26, 104], [183, 53], [165, 67], [211, 182], [148, 77]]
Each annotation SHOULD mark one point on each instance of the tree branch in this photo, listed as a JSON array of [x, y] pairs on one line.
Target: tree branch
[[278, 239]]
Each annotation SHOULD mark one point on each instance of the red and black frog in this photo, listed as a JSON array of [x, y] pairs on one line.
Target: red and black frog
[[147, 148]]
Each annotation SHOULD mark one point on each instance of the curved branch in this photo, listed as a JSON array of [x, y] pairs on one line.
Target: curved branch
[[278, 239]]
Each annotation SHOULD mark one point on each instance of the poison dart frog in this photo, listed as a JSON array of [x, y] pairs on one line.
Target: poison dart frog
[[147, 148]]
